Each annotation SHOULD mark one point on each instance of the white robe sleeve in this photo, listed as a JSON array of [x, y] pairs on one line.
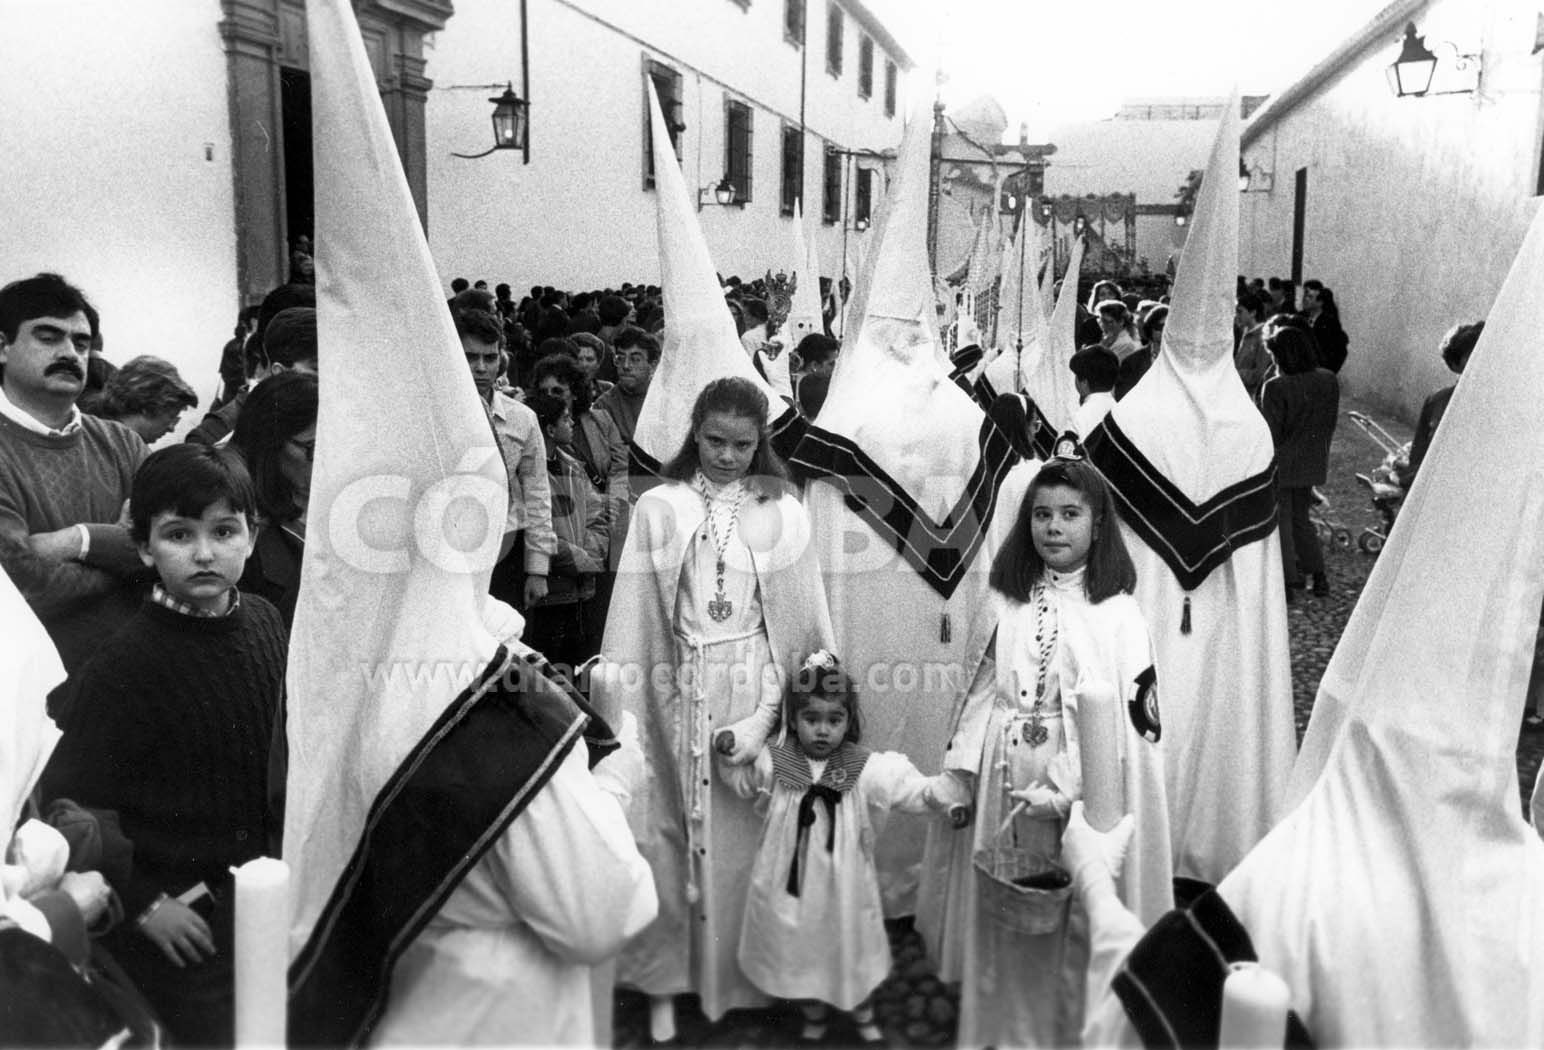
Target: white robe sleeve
[[748, 779], [968, 741], [571, 871], [1113, 931], [889, 781]]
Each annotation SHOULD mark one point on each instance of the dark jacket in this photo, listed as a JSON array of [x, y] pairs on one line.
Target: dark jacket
[[1330, 340], [1301, 410]]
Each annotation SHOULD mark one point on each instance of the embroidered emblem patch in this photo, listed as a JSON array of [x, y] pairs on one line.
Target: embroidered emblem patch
[[1143, 706]]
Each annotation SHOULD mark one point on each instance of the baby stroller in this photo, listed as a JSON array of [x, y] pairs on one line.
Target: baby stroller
[[1385, 485], [1331, 533]]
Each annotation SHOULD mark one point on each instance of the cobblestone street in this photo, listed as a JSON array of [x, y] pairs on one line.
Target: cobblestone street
[[914, 1008]]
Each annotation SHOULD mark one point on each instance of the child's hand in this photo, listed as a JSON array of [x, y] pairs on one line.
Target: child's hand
[[180, 932], [960, 817], [1040, 801]]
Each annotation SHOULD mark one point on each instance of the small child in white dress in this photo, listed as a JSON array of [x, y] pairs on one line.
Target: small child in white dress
[[814, 930]]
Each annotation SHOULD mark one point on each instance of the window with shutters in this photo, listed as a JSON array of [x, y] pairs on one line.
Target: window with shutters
[[793, 167], [865, 67], [667, 85], [831, 212], [863, 196], [793, 22], [737, 148], [834, 40], [890, 78]]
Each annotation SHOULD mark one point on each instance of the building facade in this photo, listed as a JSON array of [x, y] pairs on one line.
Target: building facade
[[787, 99], [158, 154], [1410, 209]]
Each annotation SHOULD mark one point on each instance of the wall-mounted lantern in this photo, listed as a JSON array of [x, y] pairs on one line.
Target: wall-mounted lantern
[[721, 192], [511, 123], [1410, 74]]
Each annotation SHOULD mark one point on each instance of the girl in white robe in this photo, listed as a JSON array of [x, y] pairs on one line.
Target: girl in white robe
[[814, 928], [718, 596], [1066, 620]]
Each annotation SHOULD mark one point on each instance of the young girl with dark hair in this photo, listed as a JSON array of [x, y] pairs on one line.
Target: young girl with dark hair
[[814, 927], [1067, 624], [718, 597]]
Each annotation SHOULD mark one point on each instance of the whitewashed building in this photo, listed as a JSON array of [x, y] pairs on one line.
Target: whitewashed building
[[1410, 209], [786, 98], [158, 152]]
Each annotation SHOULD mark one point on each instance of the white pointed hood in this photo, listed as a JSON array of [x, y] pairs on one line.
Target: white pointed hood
[[29, 670], [380, 311], [1064, 316], [389, 659], [1021, 325], [1192, 399], [1191, 462], [891, 388], [1050, 381], [1403, 898], [701, 344], [804, 315], [893, 416]]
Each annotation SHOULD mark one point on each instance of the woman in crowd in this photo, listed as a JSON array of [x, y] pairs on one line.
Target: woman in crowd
[[719, 584], [276, 435], [147, 395], [1118, 332], [1300, 404], [597, 442], [593, 355]]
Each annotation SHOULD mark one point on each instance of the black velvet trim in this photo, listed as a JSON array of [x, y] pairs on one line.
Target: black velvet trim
[[472, 774], [941, 552], [1171, 983], [985, 393], [1192, 539], [964, 360]]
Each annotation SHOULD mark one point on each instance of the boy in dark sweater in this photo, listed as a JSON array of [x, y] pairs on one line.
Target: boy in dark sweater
[[171, 724]]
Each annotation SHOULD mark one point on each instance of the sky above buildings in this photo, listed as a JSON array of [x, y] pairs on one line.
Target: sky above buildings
[[1050, 62]]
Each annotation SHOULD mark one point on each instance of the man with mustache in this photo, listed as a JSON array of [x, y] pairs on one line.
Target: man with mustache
[[64, 476]]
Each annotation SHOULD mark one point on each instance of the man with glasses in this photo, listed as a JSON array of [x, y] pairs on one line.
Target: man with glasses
[[64, 476], [637, 353]]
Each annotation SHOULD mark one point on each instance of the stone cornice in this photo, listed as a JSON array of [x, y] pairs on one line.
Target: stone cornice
[[428, 15]]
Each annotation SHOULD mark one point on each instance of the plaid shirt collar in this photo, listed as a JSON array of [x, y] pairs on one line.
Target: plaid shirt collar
[[163, 598]]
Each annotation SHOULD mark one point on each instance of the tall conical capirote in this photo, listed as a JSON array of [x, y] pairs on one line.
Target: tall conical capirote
[[700, 342]]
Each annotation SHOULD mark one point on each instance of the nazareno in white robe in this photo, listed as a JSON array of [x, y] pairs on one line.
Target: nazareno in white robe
[[507, 958], [827, 942], [998, 969], [685, 678]]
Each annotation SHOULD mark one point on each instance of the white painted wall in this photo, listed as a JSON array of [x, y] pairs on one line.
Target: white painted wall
[[115, 170], [1416, 206], [577, 216]]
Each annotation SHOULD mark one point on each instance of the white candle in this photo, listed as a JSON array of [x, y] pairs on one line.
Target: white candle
[[1254, 1009], [1104, 798], [262, 952], [606, 692]]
